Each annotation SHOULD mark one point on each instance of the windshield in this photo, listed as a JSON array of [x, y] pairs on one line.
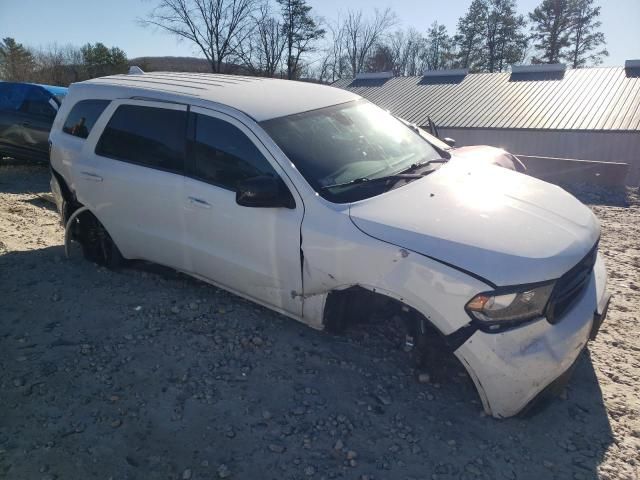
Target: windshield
[[342, 143]]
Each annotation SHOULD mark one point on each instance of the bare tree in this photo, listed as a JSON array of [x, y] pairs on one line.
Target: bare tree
[[216, 27], [407, 52], [334, 62], [362, 35], [263, 50]]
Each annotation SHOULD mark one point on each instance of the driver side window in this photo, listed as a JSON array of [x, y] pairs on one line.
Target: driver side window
[[223, 155]]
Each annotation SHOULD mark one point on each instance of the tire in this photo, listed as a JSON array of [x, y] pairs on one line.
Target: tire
[[97, 245]]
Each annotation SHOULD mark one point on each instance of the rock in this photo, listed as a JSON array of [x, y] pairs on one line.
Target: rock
[[186, 475], [339, 445], [383, 398], [351, 454], [547, 464], [257, 341], [193, 306], [309, 470], [277, 448], [424, 378], [223, 471], [175, 309], [18, 382], [266, 415], [451, 443], [116, 423]]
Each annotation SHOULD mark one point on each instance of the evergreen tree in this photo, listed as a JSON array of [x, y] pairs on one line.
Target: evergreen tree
[[470, 35], [584, 35], [505, 41], [551, 25], [16, 61], [99, 60], [301, 31], [439, 47]]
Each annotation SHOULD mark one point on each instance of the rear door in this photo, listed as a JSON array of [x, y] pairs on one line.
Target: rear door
[[12, 96], [36, 115], [253, 251], [133, 178]]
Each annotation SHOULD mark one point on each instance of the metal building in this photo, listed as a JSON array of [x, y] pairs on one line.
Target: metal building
[[537, 111]]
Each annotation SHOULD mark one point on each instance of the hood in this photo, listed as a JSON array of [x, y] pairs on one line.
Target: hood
[[501, 225], [489, 155]]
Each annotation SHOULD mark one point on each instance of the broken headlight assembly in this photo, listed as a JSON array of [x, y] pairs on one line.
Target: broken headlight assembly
[[508, 307]]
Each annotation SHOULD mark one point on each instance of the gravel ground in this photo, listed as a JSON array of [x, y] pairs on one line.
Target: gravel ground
[[145, 373]]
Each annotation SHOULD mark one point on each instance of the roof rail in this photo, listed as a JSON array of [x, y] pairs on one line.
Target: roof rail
[[374, 76], [454, 72], [538, 68], [135, 70]]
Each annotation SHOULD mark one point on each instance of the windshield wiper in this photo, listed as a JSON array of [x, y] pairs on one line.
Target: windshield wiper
[[369, 181], [415, 166]]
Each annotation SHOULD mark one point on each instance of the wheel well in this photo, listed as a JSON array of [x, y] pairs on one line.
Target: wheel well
[[357, 304]]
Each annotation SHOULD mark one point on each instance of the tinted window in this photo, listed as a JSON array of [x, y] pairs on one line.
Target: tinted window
[[149, 136], [12, 96], [224, 155], [37, 102], [83, 116]]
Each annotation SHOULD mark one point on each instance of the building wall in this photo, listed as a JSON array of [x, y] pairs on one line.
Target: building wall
[[598, 146]]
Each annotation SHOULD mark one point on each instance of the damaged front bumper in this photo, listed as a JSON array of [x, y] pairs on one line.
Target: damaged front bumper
[[515, 368]]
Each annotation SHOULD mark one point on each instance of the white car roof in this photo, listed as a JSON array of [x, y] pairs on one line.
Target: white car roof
[[260, 98]]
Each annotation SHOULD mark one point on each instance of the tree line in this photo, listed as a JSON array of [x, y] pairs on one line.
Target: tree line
[[59, 65], [286, 39]]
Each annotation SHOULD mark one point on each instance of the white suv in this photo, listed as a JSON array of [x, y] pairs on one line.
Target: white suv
[[315, 203]]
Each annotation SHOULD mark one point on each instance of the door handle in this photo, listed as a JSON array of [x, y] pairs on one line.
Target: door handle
[[91, 176], [198, 202]]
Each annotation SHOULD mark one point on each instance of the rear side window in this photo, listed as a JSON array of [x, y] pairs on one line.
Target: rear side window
[[223, 155], [38, 103], [148, 136], [12, 96], [83, 116]]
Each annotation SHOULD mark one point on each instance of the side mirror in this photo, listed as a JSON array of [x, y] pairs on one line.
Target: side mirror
[[264, 192], [450, 141]]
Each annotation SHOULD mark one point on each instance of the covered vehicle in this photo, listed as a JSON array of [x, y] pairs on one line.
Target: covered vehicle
[[314, 202], [27, 112]]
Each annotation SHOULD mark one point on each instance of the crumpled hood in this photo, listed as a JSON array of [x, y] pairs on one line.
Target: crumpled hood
[[504, 226], [489, 155]]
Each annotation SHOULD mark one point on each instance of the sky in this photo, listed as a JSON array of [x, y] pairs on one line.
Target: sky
[[38, 23]]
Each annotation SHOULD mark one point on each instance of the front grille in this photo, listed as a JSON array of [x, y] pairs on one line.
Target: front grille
[[569, 287]]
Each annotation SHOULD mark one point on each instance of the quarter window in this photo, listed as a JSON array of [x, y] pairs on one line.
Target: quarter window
[[149, 136], [83, 116], [223, 155]]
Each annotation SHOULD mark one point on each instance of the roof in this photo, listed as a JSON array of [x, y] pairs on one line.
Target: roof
[[583, 99], [55, 90], [260, 98]]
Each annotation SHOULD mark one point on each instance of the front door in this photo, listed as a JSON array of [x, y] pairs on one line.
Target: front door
[[252, 251]]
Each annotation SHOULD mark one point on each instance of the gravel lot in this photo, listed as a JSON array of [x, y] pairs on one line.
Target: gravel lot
[[145, 373]]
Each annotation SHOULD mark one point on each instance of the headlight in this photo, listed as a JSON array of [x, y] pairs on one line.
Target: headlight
[[506, 307]]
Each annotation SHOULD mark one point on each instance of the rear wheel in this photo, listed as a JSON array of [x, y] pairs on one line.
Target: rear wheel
[[97, 245]]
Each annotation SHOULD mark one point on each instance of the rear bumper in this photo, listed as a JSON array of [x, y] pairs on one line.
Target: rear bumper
[[517, 367]]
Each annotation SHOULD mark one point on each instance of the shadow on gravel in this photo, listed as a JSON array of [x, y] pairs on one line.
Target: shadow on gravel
[[608, 196], [12, 176], [144, 373]]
